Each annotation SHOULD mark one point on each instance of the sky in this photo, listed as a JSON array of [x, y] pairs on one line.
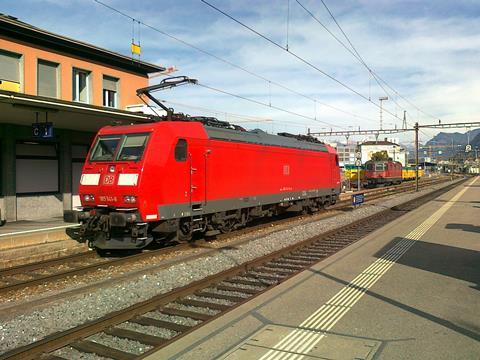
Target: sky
[[427, 52]]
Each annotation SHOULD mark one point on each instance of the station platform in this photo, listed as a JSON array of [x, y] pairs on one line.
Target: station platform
[[410, 290], [29, 241], [34, 232]]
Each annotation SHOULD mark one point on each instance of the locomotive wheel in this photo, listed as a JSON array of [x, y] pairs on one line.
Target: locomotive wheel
[[227, 226], [184, 232]]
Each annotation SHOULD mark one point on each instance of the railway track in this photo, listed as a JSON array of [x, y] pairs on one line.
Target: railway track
[[28, 275], [39, 273], [165, 318]]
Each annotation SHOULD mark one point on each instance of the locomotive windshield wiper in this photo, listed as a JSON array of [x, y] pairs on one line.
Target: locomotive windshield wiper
[[167, 83]]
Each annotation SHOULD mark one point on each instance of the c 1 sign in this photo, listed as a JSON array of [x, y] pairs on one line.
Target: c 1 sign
[[42, 130]]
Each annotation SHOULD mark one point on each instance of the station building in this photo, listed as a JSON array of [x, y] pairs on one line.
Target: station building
[[55, 93], [346, 153]]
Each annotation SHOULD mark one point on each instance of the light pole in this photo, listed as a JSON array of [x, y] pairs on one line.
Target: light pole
[[382, 98], [416, 156]]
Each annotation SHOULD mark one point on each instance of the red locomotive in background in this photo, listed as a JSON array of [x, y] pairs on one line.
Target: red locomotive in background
[[386, 172], [166, 180]]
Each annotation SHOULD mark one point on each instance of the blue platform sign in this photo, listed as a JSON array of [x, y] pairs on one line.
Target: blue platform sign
[[358, 199], [42, 130]]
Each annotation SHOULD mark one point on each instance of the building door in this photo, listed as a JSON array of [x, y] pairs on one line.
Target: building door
[[37, 181], [79, 153]]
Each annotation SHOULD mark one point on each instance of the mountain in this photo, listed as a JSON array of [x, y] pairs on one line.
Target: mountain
[[476, 141], [443, 138], [445, 145]]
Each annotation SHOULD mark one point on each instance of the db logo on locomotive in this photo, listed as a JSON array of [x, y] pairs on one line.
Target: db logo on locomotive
[[108, 179]]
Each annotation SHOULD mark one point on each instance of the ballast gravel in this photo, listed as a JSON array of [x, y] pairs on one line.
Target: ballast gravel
[[171, 318], [68, 313], [126, 345], [244, 286], [71, 353], [228, 293], [210, 300], [149, 330], [196, 309]]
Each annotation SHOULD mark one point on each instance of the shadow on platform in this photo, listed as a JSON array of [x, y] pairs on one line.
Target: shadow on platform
[[451, 261], [454, 262], [457, 201], [464, 227], [470, 330]]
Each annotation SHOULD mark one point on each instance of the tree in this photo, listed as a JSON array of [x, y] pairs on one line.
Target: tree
[[380, 155]]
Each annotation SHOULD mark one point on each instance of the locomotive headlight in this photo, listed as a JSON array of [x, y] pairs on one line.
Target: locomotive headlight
[[130, 199], [88, 197]]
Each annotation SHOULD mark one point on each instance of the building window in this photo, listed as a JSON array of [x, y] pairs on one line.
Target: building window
[[10, 71], [81, 85], [47, 79], [110, 91]]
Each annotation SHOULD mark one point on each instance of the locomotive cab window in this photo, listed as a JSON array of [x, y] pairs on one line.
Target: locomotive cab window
[[181, 150], [380, 167], [132, 147], [369, 166], [105, 148]]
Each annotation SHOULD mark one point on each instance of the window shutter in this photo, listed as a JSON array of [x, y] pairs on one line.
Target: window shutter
[[9, 66], [47, 78], [110, 83]]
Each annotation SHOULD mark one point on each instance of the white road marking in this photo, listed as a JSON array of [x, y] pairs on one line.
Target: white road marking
[[299, 342]]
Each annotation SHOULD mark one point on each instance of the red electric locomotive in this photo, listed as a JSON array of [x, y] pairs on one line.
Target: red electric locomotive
[[166, 180], [385, 172]]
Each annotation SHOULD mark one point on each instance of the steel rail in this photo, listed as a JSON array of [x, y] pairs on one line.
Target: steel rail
[[21, 269]]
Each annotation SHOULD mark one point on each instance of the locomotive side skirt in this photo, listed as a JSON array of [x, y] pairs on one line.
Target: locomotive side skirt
[[174, 211]]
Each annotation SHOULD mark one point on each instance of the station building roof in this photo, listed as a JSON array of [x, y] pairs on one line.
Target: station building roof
[[12, 27], [21, 109]]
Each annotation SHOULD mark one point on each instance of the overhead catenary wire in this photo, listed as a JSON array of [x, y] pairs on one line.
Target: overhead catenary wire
[[232, 64], [298, 57], [357, 56], [288, 20], [376, 76], [263, 104], [243, 118], [250, 118], [354, 53], [241, 68]]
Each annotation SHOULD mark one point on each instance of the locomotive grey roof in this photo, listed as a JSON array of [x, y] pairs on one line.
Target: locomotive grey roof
[[262, 138]]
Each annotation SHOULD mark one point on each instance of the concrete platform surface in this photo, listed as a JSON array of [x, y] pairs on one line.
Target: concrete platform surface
[[26, 233], [407, 291]]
